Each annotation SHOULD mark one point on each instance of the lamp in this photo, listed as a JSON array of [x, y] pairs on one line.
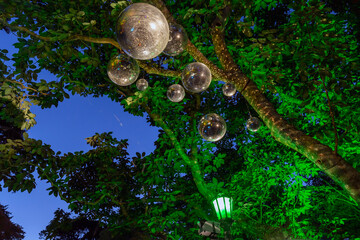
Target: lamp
[[223, 207]]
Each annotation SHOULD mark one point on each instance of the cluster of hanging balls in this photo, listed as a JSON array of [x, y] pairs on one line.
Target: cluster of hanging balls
[[143, 33]]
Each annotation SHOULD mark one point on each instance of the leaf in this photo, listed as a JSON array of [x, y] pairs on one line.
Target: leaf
[[247, 32], [81, 13], [215, 181], [66, 27], [43, 88], [25, 135], [188, 14], [197, 19], [259, 72]]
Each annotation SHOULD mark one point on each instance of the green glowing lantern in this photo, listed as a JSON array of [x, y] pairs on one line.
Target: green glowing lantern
[[223, 207]]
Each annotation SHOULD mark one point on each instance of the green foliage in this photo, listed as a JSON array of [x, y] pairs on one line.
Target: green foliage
[[296, 52]]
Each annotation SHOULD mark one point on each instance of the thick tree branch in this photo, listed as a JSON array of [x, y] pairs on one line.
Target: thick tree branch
[[23, 29], [323, 156], [95, 40], [192, 163], [199, 57], [158, 71], [25, 87], [336, 167], [190, 48], [226, 60], [162, 7], [149, 69]]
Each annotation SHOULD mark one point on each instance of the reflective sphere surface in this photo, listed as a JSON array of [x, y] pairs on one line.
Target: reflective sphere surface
[[177, 40], [196, 77], [142, 84], [228, 89], [212, 127], [123, 70], [253, 124], [175, 93], [142, 31]]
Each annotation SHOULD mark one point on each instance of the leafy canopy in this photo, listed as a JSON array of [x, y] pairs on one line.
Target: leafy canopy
[[299, 59]]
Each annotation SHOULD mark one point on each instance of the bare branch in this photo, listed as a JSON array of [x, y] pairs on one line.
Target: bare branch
[[190, 48], [192, 163], [95, 40], [23, 29], [158, 71], [25, 87], [149, 69]]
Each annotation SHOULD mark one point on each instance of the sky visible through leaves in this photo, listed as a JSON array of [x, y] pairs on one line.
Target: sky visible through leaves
[[305, 65], [65, 129]]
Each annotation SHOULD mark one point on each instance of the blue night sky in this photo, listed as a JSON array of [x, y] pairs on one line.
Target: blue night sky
[[65, 129]]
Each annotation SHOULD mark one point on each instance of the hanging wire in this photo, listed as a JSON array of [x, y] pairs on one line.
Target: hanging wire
[[143, 73], [247, 106]]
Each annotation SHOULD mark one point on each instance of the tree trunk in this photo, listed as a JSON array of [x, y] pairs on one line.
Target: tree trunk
[[323, 156]]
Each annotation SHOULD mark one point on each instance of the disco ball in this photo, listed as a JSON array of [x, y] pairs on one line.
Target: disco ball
[[175, 93], [196, 77], [142, 84], [142, 31], [123, 70], [253, 124], [212, 127], [177, 40], [228, 89]]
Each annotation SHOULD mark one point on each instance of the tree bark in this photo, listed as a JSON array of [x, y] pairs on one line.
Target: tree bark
[[323, 156]]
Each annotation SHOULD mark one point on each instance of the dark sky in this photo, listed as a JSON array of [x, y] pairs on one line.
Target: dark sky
[[65, 129]]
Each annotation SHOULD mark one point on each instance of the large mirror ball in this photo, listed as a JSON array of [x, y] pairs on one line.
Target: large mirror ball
[[142, 31], [123, 70], [196, 77], [177, 40], [212, 127]]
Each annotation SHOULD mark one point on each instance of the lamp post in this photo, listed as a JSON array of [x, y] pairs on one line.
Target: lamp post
[[223, 208]]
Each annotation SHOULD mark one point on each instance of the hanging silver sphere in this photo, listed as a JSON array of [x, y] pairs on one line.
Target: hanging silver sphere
[[177, 40], [212, 127], [253, 124], [123, 70], [196, 77], [142, 31], [142, 84], [228, 89], [175, 93]]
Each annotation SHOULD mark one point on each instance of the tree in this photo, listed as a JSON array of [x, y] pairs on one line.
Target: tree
[[81, 227], [295, 65], [8, 229]]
